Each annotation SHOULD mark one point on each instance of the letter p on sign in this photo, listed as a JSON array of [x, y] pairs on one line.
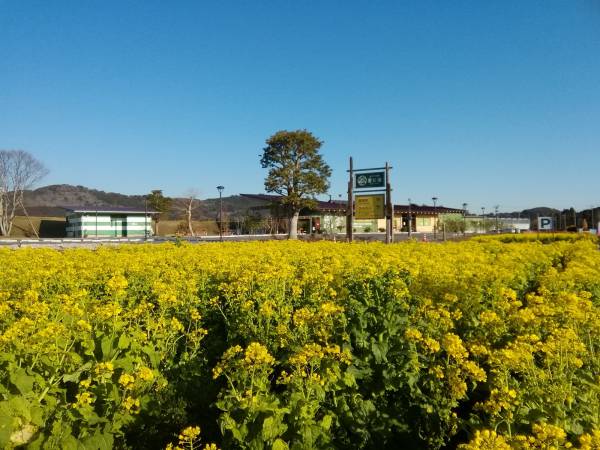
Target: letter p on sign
[[545, 223]]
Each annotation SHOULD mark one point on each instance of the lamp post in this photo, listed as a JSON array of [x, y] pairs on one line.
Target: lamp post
[[483, 218], [145, 218], [496, 213], [464, 218], [434, 218], [220, 189], [409, 219]]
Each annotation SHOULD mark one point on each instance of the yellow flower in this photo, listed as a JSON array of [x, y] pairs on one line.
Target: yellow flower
[[84, 399], [486, 440], [82, 325], [189, 434], [131, 405], [412, 334], [104, 369], [127, 381], [257, 354], [454, 347], [145, 373]]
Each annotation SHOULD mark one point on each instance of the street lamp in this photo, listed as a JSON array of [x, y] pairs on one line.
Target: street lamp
[[220, 189], [409, 220], [145, 217], [496, 213], [434, 217], [483, 218], [464, 218]]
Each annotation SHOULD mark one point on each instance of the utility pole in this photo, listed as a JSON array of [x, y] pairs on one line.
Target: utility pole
[[464, 218], [220, 189], [496, 213], [434, 218], [409, 220], [145, 218], [389, 209], [483, 218], [350, 206]]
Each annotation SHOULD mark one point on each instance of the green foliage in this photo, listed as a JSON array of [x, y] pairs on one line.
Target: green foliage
[[158, 202], [272, 345], [296, 169]]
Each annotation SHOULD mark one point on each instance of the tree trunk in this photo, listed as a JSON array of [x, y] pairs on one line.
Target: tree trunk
[[293, 228], [189, 220]]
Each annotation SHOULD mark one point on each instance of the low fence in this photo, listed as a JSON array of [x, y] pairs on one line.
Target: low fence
[[96, 242]]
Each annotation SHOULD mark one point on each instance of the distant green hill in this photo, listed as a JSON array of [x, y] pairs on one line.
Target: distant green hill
[[51, 200]]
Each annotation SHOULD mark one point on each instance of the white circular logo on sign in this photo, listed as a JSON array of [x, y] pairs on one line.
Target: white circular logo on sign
[[361, 180]]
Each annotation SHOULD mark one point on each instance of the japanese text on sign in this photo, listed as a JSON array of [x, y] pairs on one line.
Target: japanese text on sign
[[369, 206]]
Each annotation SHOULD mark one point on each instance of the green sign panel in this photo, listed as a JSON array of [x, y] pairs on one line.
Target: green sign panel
[[370, 180]]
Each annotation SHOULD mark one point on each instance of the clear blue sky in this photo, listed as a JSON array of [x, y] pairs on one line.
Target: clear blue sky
[[484, 102]]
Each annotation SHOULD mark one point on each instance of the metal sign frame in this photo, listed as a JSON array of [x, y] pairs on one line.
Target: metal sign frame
[[387, 190]]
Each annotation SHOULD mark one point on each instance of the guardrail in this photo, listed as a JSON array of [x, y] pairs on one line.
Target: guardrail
[[95, 242]]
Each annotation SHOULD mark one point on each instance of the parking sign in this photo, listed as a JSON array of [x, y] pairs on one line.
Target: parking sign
[[545, 223]]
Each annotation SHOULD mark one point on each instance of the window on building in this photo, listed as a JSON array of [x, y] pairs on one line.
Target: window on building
[[424, 221]]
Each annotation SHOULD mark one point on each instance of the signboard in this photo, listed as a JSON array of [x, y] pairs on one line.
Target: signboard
[[370, 179], [545, 223], [369, 206]]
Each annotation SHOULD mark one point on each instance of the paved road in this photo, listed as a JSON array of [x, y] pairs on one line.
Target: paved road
[[96, 242]]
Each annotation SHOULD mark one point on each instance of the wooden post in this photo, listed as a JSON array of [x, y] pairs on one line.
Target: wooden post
[[389, 209], [350, 207]]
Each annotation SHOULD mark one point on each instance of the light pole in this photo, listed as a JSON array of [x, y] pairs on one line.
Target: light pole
[[483, 218], [464, 218], [496, 213], [220, 189], [434, 217], [409, 220], [145, 218]]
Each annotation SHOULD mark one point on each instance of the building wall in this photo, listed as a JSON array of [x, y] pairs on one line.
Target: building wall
[[105, 225], [422, 224]]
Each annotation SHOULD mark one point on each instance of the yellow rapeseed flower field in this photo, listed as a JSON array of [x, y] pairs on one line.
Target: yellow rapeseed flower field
[[491, 343]]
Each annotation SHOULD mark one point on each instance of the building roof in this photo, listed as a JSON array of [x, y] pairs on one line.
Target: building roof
[[325, 206], [425, 209], [107, 210], [339, 206]]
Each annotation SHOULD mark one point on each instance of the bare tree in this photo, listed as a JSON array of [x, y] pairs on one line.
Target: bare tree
[[18, 171], [187, 205]]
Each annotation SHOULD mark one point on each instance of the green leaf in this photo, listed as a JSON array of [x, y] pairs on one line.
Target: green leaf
[[279, 445], [106, 344], [74, 377], [99, 441], [22, 381], [124, 342], [20, 406], [270, 429], [152, 354], [326, 422]]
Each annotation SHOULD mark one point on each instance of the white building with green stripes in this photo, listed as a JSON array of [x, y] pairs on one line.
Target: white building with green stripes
[[114, 222]]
